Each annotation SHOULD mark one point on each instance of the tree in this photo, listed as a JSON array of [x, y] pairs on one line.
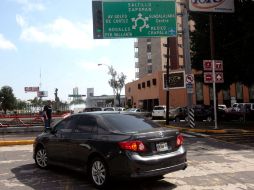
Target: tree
[[234, 39], [20, 105], [8, 101], [116, 82], [36, 102]]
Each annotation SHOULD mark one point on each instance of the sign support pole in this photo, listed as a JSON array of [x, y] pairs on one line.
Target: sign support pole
[[213, 66], [187, 61], [167, 92], [214, 96]]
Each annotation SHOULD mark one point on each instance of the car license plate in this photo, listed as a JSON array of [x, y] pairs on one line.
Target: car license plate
[[163, 146]]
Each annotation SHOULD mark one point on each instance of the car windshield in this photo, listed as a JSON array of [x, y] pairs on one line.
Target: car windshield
[[125, 123]]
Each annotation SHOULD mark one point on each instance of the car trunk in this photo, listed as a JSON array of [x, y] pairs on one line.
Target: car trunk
[[161, 141]]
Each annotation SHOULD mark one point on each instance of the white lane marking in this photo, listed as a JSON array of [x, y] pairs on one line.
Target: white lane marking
[[199, 134], [188, 135]]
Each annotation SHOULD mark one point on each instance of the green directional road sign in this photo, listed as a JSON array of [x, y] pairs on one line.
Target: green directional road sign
[[133, 19]]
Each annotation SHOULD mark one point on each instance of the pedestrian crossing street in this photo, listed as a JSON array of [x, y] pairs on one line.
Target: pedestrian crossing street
[[235, 137]]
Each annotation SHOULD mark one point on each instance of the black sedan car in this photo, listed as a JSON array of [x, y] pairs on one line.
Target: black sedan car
[[111, 144]]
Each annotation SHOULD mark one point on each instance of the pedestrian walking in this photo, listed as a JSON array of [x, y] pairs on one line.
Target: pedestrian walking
[[47, 114]]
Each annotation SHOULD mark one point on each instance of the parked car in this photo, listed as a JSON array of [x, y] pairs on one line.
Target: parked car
[[92, 109], [140, 111], [159, 112], [222, 107], [243, 107], [111, 144], [203, 112], [120, 109], [240, 111], [109, 109], [178, 114]]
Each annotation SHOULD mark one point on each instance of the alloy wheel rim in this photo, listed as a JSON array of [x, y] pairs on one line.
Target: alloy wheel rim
[[98, 173], [41, 158]]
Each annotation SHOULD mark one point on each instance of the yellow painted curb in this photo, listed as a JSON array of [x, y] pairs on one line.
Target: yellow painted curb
[[199, 130], [18, 142]]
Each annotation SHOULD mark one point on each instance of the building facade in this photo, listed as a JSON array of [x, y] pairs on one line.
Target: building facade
[[103, 100], [150, 64]]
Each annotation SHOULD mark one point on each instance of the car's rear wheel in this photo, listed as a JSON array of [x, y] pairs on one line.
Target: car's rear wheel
[[98, 172], [41, 158]]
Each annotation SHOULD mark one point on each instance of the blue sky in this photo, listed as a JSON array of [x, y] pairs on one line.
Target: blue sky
[[55, 38]]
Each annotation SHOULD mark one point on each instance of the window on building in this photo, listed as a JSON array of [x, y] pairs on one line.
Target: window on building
[[143, 84], [148, 40], [148, 83], [149, 69], [154, 82], [129, 89], [139, 86]]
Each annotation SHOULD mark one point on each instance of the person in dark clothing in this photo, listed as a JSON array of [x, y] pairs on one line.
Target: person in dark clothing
[[47, 114]]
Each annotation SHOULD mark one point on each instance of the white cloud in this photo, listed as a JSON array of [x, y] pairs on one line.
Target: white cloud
[[62, 33], [6, 44], [31, 5]]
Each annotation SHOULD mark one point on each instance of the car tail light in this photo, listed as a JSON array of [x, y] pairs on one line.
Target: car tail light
[[136, 146], [179, 140]]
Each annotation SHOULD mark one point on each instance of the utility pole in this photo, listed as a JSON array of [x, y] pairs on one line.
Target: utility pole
[[187, 60]]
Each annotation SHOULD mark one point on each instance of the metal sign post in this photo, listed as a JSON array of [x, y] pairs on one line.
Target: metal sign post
[[214, 97], [188, 70]]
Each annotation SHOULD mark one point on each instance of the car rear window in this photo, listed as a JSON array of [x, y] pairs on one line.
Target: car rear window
[[158, 108], [125, 123]]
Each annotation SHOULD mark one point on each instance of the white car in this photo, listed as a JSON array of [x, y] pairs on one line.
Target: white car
[[159, 112], [222, 107]]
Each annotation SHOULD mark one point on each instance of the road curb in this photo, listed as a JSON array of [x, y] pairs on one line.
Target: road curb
[[16, 142], [199, 130]]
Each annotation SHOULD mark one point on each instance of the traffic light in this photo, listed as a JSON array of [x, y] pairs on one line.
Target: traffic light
[[97, 20]]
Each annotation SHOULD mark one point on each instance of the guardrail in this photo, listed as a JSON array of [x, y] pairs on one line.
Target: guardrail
[[26, 120]]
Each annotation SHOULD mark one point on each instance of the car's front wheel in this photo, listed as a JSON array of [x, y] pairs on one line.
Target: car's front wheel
[[41, 158], [98, 173]]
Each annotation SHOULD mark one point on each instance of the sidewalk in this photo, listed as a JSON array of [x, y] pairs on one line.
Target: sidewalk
[[19, 135], [26, 135], [209, 127]]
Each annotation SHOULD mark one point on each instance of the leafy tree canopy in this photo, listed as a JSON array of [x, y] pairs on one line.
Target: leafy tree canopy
[[8, 101]]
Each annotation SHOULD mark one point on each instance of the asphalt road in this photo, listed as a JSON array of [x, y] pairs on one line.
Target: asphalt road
[[213, 165], [238, 137]]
